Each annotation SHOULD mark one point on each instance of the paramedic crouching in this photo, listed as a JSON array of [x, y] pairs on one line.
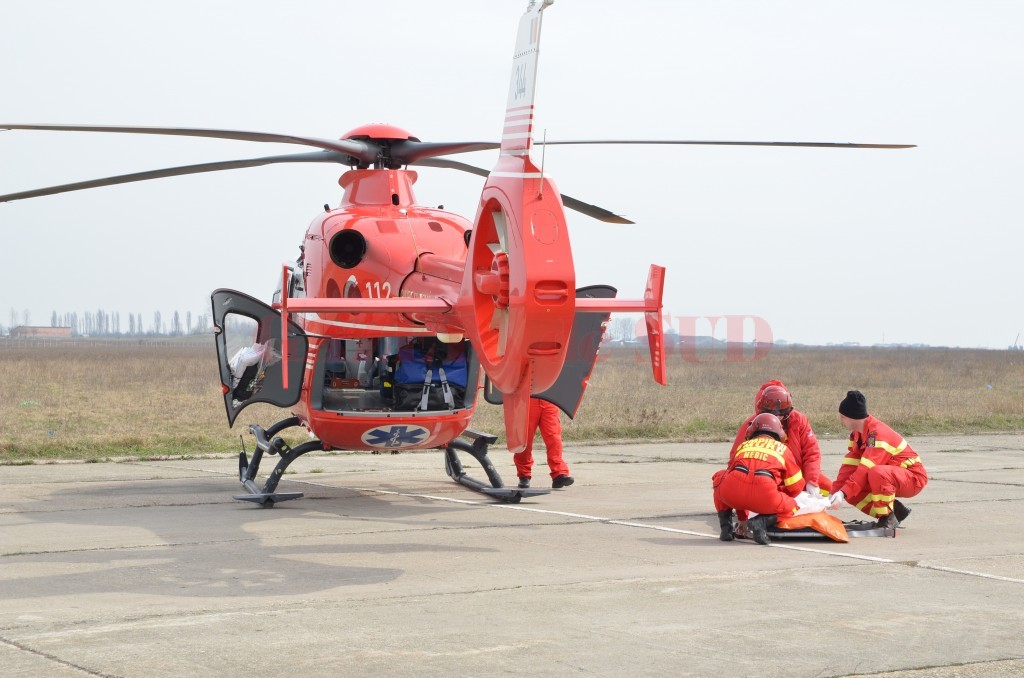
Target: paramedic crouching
[[879, 466]]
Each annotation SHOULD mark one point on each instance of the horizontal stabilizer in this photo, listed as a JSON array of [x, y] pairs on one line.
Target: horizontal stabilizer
[[650, 306]]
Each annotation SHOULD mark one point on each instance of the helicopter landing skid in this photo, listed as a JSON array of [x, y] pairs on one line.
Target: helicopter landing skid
[[268, 442], [478, 450]]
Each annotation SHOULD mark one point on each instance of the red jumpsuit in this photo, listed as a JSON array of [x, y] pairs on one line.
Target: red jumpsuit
[[762, 477], [878, 467], [800, 440], [544, 415]]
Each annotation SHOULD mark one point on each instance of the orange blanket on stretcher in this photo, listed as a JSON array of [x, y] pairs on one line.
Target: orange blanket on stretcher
[[826, 523]]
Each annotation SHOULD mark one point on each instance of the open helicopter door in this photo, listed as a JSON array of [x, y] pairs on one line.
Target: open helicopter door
[[248, 337], [584, 343]]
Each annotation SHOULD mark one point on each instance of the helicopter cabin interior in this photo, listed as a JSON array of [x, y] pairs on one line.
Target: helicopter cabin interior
[[393, 374], [378, 376]]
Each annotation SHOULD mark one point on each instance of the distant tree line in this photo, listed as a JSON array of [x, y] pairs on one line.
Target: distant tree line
[[101, 323]]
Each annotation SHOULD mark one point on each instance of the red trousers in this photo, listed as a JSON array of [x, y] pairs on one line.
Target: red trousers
[[751, 492], [545, 416], [885, 483]]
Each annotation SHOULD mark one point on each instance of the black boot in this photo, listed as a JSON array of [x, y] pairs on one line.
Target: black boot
[[888, 522], [900, 510], [759, 527], [725, 522]]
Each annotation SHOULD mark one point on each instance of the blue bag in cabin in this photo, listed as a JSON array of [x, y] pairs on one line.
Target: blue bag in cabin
[[430, 375]]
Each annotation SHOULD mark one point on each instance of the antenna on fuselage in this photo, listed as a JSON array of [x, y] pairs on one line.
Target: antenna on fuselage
[[543, 155]]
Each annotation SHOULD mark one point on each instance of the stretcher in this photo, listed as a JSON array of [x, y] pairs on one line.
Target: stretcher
[[854, 529], [822, 525]]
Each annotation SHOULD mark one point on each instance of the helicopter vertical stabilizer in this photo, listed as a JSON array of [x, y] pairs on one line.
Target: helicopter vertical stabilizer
[[520, 279]]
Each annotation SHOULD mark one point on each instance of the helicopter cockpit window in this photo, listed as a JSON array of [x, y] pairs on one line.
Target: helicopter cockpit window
[[250, 356], [296, 289], [249, 366]]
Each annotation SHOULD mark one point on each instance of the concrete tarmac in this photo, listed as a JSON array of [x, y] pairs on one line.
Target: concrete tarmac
[[387, 567]]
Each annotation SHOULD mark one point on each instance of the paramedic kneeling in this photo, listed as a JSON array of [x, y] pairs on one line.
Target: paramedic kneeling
[[763, 477], [545, 416], [878, 467]]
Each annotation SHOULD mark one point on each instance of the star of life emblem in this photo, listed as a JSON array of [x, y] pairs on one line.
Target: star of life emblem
[[395, 437]]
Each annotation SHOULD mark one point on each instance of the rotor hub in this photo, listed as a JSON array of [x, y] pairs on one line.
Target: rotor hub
[[495, 281]]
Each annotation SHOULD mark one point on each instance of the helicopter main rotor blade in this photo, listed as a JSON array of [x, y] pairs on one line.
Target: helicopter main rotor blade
[[594, 211], [367, 152], [655, 142], [318, 156], [408, 152], [598, 213]]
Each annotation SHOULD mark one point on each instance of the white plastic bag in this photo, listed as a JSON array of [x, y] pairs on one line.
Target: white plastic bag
[[264, 354], [810, 503]]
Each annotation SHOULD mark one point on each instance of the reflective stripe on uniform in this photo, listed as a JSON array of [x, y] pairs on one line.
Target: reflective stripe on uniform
[[890, 449], [886, 499], [910, 462], [851, 461], [755, 450], [867, 463], [796, 477]]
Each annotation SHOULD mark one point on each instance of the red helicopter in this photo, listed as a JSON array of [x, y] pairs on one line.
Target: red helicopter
[[381, 333]]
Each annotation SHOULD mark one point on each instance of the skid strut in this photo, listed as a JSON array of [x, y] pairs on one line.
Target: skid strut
[[478, 450], [268, 442]]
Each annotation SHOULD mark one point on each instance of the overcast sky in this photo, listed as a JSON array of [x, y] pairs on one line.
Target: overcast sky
[[920, 245]]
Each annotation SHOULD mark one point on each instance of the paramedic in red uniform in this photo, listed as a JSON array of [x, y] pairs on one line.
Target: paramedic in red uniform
[[773, 397], [762, 476], [545, 416], [878, 467]]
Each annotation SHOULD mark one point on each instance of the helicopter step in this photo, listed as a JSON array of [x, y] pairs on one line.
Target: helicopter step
[[478, 450], [267, 442]]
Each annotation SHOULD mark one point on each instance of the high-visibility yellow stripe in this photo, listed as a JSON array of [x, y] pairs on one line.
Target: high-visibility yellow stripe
[[867, 462], [798, 476], [890, 449], [854, 461], [884, 499], [761, 449], [910, 462], [849, 445]]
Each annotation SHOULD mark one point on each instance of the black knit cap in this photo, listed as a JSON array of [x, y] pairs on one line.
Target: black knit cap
[[854, 405]]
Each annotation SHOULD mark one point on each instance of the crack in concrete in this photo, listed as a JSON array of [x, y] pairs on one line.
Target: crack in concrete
[[53, 658]]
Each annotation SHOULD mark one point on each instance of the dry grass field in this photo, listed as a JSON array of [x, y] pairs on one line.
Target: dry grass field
[[76, 399]]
